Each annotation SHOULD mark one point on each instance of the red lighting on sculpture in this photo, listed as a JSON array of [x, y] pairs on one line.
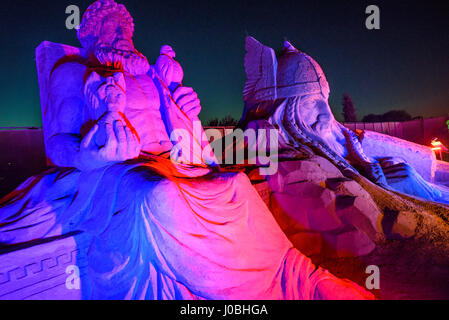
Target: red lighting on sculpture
[[437, 146]]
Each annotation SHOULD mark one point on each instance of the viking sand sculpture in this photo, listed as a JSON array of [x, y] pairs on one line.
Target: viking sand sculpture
[[291, 93], [338, 193]]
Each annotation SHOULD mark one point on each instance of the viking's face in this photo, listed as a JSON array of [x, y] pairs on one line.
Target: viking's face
[[316, 113]]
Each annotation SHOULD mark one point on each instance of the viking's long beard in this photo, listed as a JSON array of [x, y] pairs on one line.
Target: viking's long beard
[[295, 130], [332, 136], [287, 115], [132, 61]]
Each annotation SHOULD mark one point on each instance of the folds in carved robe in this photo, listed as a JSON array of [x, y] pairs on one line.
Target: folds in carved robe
[[158, 234]]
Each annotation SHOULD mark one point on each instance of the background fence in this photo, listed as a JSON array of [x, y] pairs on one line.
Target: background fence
[[420, 131]]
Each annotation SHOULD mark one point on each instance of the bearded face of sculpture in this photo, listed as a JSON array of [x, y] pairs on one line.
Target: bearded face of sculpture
[[114, 32], [317, 117], [316, 112], [114, 45]]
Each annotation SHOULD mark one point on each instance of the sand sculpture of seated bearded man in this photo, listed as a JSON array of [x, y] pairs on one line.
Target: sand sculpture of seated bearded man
[[290, 93], [161, 229]]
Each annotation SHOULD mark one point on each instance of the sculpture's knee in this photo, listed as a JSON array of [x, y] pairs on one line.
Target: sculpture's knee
[[136, 184]]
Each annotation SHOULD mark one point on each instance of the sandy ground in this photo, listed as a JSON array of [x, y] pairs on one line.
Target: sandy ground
[[409, 269]]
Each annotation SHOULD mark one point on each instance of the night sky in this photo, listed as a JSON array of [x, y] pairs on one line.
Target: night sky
[[404, 65]]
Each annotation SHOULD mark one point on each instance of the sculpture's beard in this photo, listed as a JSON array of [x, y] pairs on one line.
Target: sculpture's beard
[[331, 135], [325, 129], [132, 61]]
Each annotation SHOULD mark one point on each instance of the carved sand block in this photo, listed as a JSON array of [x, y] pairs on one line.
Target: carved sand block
[[51, 270]]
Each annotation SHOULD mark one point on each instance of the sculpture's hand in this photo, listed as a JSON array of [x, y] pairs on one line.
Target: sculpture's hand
[[121, 144], [373, 171], [404, 178], [188, 100]]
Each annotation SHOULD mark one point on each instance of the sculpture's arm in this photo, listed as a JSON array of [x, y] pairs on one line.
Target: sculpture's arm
[[389, 172], [370, 166], [65, 115]]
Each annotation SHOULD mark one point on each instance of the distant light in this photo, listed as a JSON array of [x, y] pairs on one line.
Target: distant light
[[436, 145]]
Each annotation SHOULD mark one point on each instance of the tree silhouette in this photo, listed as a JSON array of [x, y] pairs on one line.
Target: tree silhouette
[[213, 122], [228, 121], [396, 115], [372, 118], [348, 113], [224, 122], [390, 116]]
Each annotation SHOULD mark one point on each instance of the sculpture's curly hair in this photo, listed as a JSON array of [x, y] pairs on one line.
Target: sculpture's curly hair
[[92, 18]]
